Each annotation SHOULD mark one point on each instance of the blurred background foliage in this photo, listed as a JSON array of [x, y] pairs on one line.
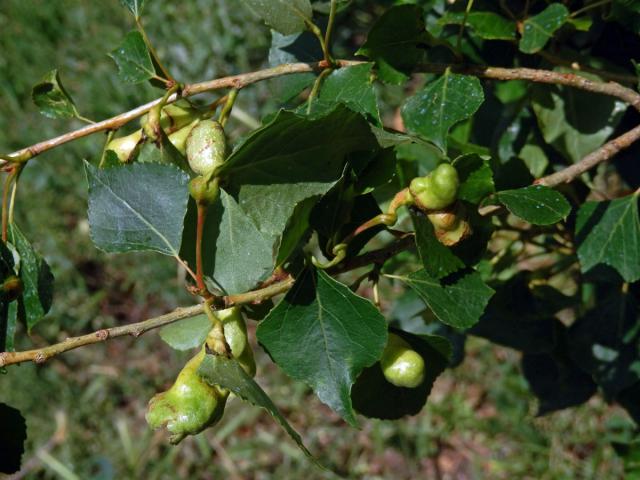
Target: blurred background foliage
[[85, 409]]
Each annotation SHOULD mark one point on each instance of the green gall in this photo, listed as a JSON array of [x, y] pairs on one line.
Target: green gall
[[124, 147], [235, 334], [179, 138], [206, 147], [401, 365], [189, 406], [175, 116], [437, 190]]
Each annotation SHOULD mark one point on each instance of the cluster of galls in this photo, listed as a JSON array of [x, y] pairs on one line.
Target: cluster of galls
[[436, 194], [191, 404], [176, 120], [201, 139]]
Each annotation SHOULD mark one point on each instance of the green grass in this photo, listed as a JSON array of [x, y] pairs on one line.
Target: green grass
[[479, 423]]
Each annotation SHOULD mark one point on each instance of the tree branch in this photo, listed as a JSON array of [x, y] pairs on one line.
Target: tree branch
[[613, 89], [567, 175], [41, 355], [375, 256], [605, 152], [240, 81], [234, 81]]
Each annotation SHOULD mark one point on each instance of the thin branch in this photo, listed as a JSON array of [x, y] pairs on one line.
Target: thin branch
[[605, 152], [113, 123], [135, 329], [567, 175], [542, 76], [332, 19], [240, 81], [576, 66], [589, 7], [259, 296], [41, 355], [463, 24], [375, 256], [316, 88]]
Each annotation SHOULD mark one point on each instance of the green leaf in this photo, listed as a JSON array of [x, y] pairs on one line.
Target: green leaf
[[458, 300], [437, 259], [9, 257], [324, 335], [52, 99], [556, 381], [379, 171], [324, 6], [537, 30], [290, 159], [296, 231], [519, 317], [609, 233], [441, 104], [339, 213], [186, 334], [285, 16], [13, 313], [396, 42], [582, 24], [137, 207], [487, 25], [227, 373], [162, 153], [534, 158], [373, 396], [628, 398], [37, 280], [605, 342], [299, 47], [235, 254], [133, 59], [353, 87], [575, 122], [12, 437], [535, 204], [134, 6], [476, 178]]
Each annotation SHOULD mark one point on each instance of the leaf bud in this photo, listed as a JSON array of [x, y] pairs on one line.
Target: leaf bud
[[204, 191]]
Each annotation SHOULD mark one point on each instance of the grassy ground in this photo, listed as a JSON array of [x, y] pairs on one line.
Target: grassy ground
[[85, 410], [479, 423]]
